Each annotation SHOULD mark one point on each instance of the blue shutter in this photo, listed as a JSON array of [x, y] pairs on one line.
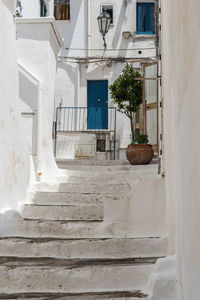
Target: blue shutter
[[145, 13]]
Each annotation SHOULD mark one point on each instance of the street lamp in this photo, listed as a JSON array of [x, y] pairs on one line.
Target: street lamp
[[104, 21]]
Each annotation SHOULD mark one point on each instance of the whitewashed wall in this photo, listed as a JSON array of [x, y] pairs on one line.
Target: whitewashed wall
[[31, 8], [124, 19], [82, 32], [38, 44], [181, 73], [14, 154]]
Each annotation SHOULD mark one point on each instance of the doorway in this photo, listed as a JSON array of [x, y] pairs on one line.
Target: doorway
[[97, 104]]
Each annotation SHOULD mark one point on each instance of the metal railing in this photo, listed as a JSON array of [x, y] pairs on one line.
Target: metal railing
[[86, 120]]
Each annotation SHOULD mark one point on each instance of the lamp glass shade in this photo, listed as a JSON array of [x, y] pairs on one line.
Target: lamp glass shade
[[104, 21]]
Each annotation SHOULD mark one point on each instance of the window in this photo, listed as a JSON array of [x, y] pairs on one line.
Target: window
[[43, 9], [145, 18], [62, 9], [137, 132], [101, 145], [109, 10]]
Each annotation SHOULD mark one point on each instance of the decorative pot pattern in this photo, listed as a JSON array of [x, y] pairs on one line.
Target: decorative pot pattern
[[139, 154]]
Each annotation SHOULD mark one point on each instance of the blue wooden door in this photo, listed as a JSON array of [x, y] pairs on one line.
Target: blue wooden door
[[97, 103]]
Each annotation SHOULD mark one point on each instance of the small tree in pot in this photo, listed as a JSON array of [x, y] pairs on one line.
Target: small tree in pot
[[126, 92]]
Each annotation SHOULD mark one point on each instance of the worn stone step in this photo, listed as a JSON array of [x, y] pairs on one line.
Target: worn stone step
[[122, 295], [59, 198], [90, 174], [35, 279], [86, 177], [93, 162], [73, 230], [104, 167], [69, 212], [106, 179], [84, 249], [96, 162], [18, 261], [98, 188]]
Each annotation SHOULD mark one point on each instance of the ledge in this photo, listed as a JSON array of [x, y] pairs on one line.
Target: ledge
[[46, 20], [144, 36]]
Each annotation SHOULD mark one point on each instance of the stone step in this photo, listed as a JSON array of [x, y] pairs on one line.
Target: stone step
[[106, 179], [89, 173], [96, 278], [73, 230], [96, 162], [90, 188], [105, 168], [84, 249], [101, 163], [58, 198], [92, 162], [67, 212], [50, 262], [122, 295]]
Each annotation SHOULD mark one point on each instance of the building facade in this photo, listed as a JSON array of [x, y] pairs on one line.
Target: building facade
[[86, 69]]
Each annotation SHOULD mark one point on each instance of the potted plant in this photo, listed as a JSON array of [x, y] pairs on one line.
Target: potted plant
[[126, 92], [140, 152]]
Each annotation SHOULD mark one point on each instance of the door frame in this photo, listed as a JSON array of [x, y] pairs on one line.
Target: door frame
[[153, 105]]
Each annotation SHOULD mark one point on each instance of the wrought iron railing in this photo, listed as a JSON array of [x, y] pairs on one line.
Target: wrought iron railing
[[86, 120]]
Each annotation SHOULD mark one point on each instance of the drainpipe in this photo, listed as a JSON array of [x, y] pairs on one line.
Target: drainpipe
[[39, 133], [87, 27], [157, 28]]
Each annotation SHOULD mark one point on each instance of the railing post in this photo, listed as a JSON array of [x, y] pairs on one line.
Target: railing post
[[115, 133]]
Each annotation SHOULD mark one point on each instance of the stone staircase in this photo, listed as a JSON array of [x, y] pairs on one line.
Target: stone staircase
[[64, 246]]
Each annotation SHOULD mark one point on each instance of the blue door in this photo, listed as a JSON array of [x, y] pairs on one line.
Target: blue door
[[97, 103]]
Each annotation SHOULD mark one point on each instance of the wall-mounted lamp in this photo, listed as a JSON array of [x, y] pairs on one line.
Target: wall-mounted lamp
[[104, 21]]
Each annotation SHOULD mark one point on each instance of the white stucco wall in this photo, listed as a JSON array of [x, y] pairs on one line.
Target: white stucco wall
[[14, 153], [181, 72], [74, 31], [31, 8], [124, 19], [37, 49], [81, 31]]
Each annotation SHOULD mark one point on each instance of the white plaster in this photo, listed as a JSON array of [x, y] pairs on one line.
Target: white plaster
[[14, 158], [31, 8], [162, 283], [72, 145], [38, 44], [181, 65]]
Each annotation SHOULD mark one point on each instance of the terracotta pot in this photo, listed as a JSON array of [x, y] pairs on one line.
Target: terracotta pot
[[139, 154]]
